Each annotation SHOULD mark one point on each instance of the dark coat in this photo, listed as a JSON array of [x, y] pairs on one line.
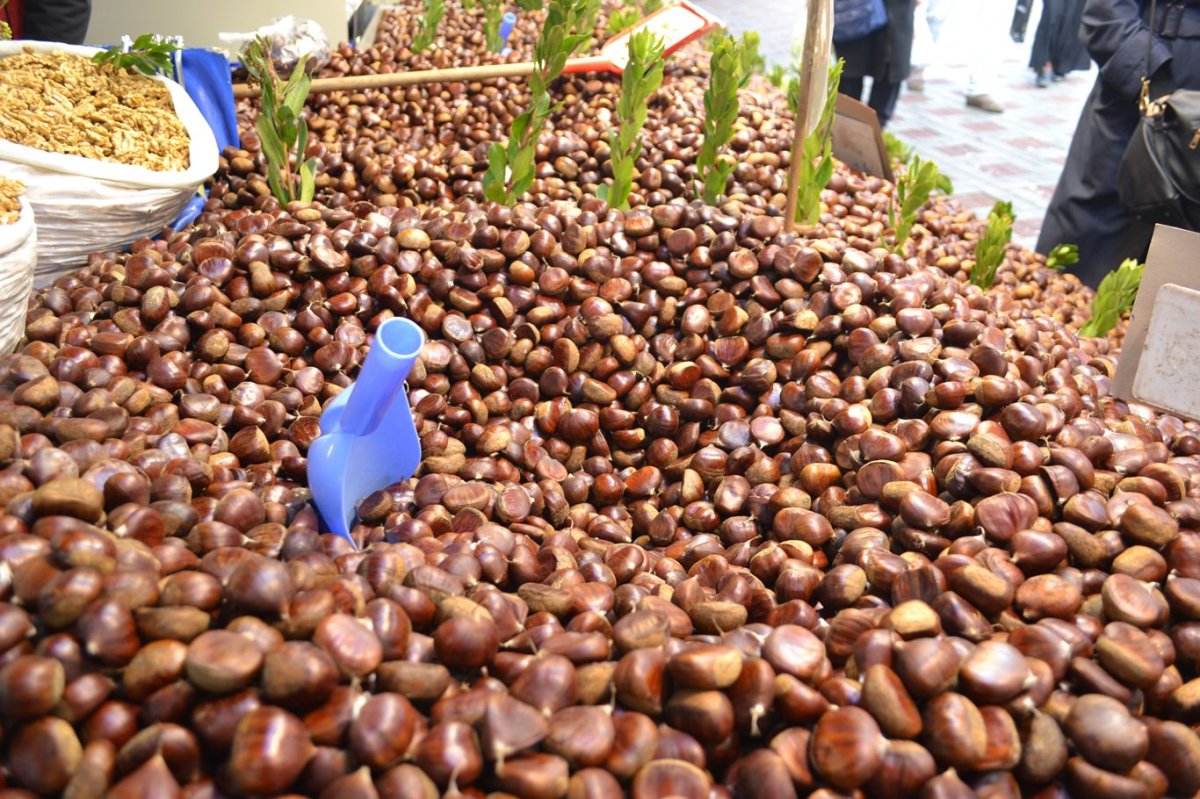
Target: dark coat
[[1057, 39], [886, 54], [56, 20], [1086, 209]]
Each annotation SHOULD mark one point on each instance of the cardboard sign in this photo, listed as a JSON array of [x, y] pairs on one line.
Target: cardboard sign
[[1160, 361], [858, 139]]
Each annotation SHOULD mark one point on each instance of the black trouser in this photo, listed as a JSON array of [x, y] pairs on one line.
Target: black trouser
[[883, 96], [56, 20]]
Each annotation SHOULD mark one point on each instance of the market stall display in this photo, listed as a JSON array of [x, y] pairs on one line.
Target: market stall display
[[706, 508]]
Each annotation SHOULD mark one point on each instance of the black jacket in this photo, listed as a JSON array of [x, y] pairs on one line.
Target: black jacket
[[885, 54], [1085, 209]]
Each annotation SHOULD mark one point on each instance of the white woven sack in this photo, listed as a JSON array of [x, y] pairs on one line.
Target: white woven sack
[[84, 205], [18, 255]]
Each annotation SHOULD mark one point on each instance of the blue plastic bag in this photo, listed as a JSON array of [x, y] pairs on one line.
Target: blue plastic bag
[[854, 19], [204, 75]]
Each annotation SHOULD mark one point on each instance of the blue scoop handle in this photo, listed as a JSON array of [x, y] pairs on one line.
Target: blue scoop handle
[[507, 23], [397, 344]]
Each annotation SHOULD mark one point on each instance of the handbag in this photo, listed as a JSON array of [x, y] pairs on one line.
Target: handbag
[[1159, 176], [854, 19], [1020, 20]]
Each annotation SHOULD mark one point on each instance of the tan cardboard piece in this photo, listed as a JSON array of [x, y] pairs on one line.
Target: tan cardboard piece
[[857, 139]]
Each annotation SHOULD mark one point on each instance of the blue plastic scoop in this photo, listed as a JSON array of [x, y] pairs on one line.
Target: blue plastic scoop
[[368, 438]]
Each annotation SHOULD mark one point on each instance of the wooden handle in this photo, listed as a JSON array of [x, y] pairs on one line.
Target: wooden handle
[[389, 79], [808, 73]]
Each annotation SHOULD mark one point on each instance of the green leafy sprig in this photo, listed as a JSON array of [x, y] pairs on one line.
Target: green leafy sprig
[[434, 11], [493, 14], [1062, 256], [913, 188], [816, 166], [752, 60], [529, 5], [1115, 296], [720, 115], [990, 248], [149, 54], [897, 150], [900, 153], [621, 19], [511, 165], [642, 76], [282, 131], [591, 9]]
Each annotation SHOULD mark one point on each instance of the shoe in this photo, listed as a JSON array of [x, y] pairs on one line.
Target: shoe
[[1058, 78], [1042, 80], [984, 102], [916, 80]]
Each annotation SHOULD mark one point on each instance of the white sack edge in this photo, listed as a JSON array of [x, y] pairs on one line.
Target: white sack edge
[[18, 254]]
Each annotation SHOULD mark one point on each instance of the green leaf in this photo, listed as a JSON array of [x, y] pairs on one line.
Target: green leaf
[[308, 187], [1062, 256], [295, 91], [816, 167], [621, 19], [301, 138], [557, 42], [269, 142], [1115, 296], [913, 187], [275, 181], [991, 246], [897, 150], [282, 130]]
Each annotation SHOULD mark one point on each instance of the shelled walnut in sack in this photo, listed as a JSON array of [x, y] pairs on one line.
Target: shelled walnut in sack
[[63, 103], [10, 200]]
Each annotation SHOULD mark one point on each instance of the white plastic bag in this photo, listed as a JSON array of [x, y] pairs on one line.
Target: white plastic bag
[[291, 39], [18, 255], [84, 205]]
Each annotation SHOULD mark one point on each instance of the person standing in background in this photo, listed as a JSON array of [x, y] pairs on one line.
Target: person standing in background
[[985, 32], [1086, 208], [927, 29], [884, 55], [1057, 48], [63, 21]]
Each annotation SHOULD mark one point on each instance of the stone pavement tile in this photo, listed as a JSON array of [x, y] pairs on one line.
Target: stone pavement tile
[[957, 149], [1027, 228], [1028, 143], [976, 199], [1004, 169]]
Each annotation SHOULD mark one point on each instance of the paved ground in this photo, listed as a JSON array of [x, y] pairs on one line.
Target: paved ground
[[1015, 156]]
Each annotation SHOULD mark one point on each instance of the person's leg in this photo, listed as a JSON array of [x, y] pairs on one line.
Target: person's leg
[[987, 27], [936, 14], [851, 87], [56, 20], [883, 100], [923, 44]]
